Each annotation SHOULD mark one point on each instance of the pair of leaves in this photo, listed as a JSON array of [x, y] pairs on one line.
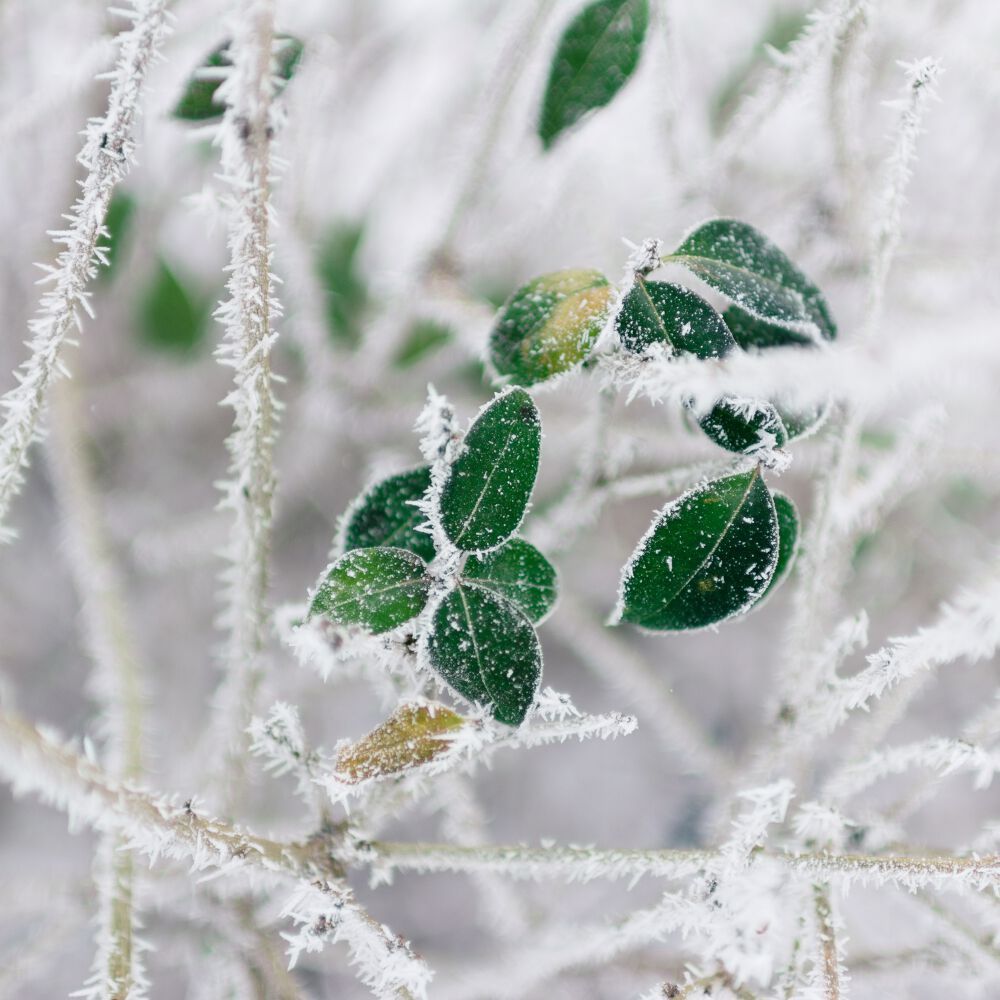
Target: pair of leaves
[[713, 553], [198, 102], [598, 52], [481, 637]]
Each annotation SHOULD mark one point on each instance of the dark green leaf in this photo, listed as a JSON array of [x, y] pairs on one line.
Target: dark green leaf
[[488, 486], [424, 337], [788, 542], [597, 53], [343, 283], [171, 317], [487, 650], [746, 267], [744, 425], [376, 588], [198, 102], [707, 557], [118, 223], [751, 333], [549, 325], [385, 515], [519, 572], [656, 312]]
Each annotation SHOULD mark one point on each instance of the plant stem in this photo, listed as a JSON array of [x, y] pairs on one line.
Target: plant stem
[[249, 493], [107, 153]]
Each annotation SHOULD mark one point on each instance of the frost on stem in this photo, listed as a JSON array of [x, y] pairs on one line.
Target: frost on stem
[[247, 315], [106, 156]]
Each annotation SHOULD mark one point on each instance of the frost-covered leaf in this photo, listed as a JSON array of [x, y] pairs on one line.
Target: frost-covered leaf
[[118, 223], [344, 286], [708, 556], [172, 317], [597, 53], [788, 542], [414, 734], [198, 101], [487, 650], [752, 333], [376, 588], [744, 425], [519, 572], [424, 337], [386, 515], [658, 312], [488, 486], [745, 266], [549, 325]]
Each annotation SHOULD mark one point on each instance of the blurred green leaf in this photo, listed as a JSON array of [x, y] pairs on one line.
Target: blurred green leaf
[[597, 54], [172, 316], [424, 337], [198, 102], [343, 284], [118, 223]]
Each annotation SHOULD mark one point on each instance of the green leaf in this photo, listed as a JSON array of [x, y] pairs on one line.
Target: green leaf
[[744, 425], [343, 283], [746, 267], [198, 102], [386, 515], [423, 338], [171, 317], [751, 333], [118, 224], [549, 325], [788, 543], [485, 648], [519, 572], [657, 312], [488, 486], [707, 557], [598, 52], [376, 588]]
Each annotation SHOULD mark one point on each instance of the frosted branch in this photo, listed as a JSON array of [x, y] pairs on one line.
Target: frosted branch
[[247, 316], [106, 156]]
